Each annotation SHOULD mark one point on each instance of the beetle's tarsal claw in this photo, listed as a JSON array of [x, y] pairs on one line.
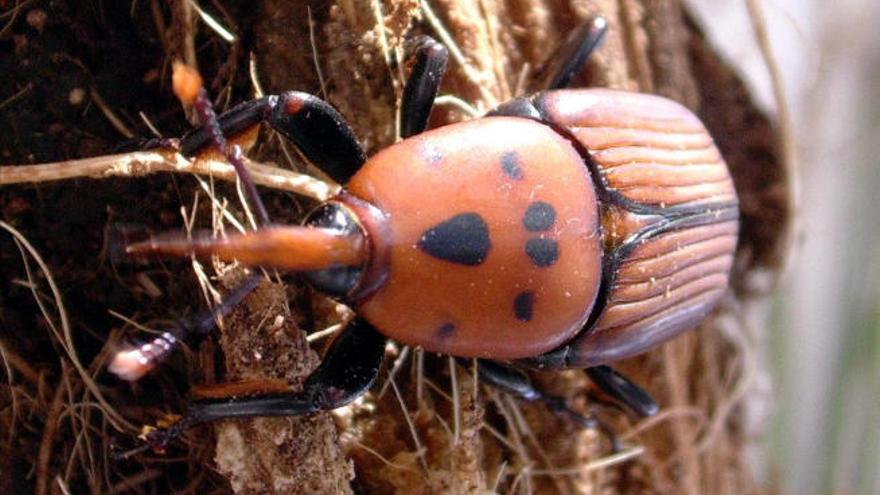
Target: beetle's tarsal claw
[[157, 439], [120, 455]]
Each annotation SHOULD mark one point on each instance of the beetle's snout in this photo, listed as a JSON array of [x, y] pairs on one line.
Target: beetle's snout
[[291, 248]]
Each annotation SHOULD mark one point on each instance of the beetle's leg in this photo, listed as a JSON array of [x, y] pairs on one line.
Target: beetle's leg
[[611, 382], [622, 389], [317, 129], [515, 381], [573, 53], [133, 363], [429, 59], [234, 154], [347, 371], [320, 132], [241, 120]]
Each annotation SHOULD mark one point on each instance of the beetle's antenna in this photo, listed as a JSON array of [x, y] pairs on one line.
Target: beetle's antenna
[[188, 87], [131, 364]]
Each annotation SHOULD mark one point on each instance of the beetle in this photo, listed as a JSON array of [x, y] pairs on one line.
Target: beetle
[[569, 228]]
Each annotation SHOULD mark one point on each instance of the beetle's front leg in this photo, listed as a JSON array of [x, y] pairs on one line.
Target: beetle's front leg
[[619, 387], [347, 371], [134, 362], [317, 129]]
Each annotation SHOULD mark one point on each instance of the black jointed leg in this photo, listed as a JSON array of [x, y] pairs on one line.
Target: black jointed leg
[[347, 371], [571, 55], [237, 120], [620, 388], [320, 132], [429, 66], [317, 129], [517, 382], [140, 359]]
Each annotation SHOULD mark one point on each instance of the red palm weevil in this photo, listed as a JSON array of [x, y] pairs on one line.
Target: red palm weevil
[[569, 228]]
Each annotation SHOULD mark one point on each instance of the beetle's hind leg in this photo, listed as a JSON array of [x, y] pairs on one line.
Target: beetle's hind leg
[[623, 390], [570, 57], [617, 386], [517, 382], [347, 371]]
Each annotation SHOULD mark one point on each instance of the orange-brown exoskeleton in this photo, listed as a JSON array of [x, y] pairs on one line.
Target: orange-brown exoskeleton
[[567, 228]]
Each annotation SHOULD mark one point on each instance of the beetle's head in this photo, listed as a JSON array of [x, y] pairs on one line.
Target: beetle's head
[[354, 222], [331, 250]]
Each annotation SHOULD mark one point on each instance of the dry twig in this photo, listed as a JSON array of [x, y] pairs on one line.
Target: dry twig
[[141, 163]]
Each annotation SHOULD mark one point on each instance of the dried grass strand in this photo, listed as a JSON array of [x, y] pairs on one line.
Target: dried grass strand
[[420, 450], [456, 53], [65, 337], [14, 362], [50, 428]]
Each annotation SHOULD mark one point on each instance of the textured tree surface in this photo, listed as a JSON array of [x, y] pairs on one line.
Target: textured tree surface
[[431, 430]]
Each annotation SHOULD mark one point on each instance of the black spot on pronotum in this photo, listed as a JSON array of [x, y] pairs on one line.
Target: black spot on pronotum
[[522, 305], [445, 330], [510, 165], [539, 216], [543, 252], [463, 239]]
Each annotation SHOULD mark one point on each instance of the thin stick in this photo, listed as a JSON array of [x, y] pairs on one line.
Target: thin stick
[[398, 363], [412, 428], [458, 103], [255, 79], [376, 7], [605, 462], [142, 163], [457, 55], [320, 334], [50, 427], [25, 90], [213, 23]]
